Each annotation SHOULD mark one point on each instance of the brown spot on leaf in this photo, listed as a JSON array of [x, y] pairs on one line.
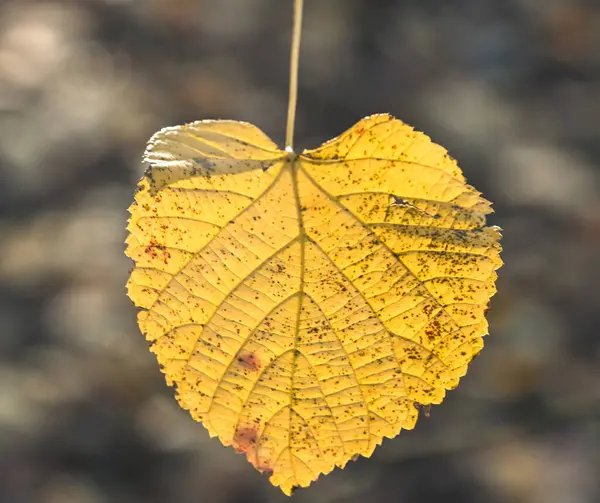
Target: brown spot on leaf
[[244, 440], [249, 361]]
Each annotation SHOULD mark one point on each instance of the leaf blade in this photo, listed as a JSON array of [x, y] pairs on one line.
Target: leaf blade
[[306, 306]]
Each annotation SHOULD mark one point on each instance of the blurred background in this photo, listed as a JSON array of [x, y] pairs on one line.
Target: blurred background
[[511, 88]]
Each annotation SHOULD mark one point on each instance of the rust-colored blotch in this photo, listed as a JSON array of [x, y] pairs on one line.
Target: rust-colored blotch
[[244, 440], [249, 361]]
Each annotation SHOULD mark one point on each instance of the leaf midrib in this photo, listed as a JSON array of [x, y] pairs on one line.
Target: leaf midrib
[[294, 166]]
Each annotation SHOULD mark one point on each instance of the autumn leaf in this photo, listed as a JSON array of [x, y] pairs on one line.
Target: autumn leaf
[[306, 306]]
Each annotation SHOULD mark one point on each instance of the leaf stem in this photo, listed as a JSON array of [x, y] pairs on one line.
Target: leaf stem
[[294, 59]]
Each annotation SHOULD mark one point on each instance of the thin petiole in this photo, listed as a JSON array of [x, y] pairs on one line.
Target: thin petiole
[[294, 60]]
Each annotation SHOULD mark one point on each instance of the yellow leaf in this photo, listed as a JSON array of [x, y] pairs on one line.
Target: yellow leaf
[[306, 306]]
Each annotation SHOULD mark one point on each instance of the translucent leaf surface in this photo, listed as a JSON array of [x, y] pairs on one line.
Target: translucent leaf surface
[[306, 306]]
